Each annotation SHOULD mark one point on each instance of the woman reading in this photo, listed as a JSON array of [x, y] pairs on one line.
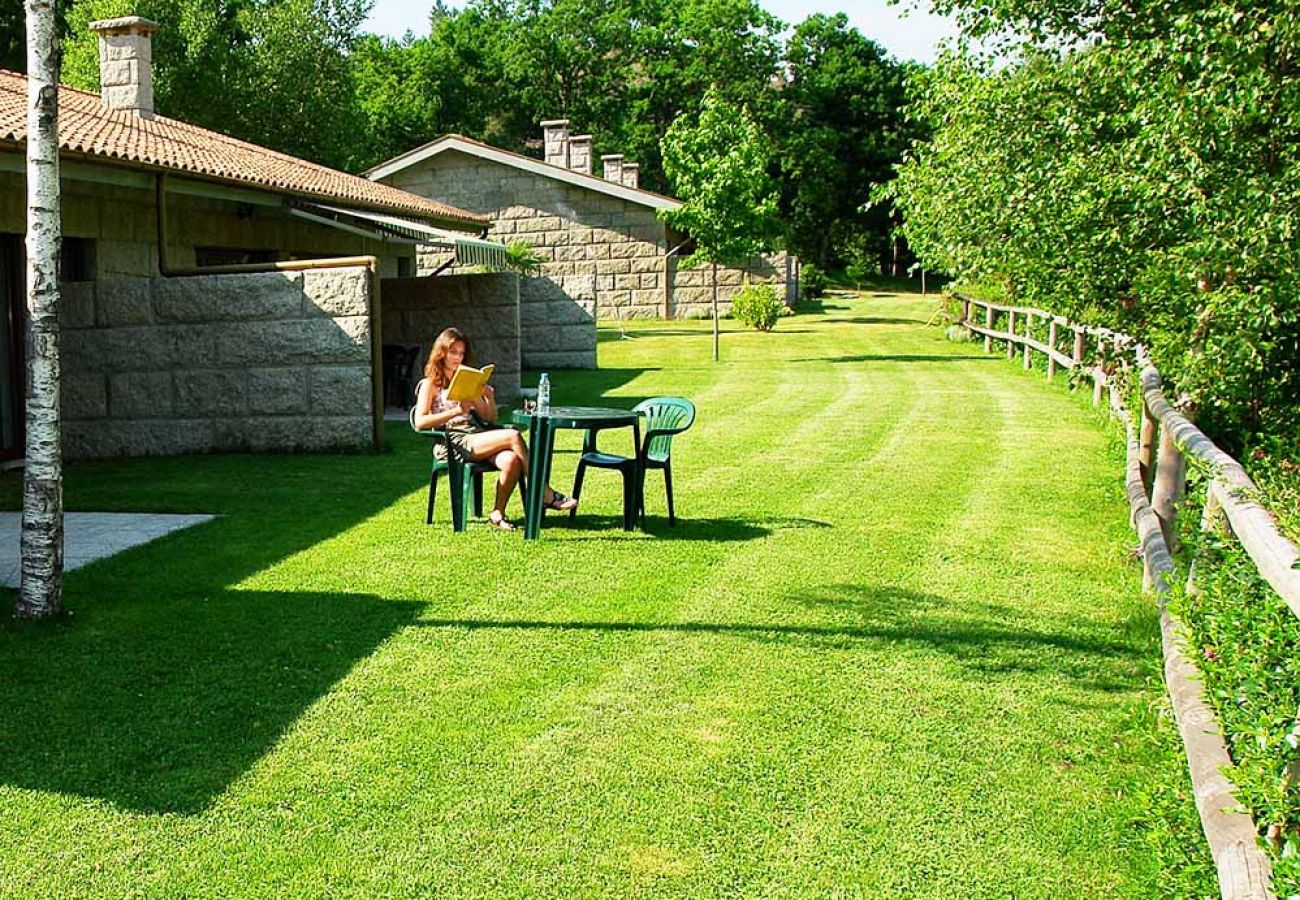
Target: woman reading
[[471, 426]]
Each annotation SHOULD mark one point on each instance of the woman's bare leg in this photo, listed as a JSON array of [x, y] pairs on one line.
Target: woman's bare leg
[[511, 466], [487, 444]]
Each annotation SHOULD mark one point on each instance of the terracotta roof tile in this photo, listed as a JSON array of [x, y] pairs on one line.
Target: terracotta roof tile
[[87, 127]]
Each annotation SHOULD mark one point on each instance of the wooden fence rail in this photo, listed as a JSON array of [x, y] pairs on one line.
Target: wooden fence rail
[[1159, 444]]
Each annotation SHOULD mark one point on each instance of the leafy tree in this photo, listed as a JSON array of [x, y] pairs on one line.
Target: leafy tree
[[275, 72], [13, 30], [841, 129], [624, 69], [1146, 177], [718, 164]]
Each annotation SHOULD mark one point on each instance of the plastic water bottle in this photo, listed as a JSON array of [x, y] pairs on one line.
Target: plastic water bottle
[[544, 395]]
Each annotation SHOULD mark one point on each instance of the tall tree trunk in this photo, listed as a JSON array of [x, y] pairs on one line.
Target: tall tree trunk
[[41, 583], [715, 312]]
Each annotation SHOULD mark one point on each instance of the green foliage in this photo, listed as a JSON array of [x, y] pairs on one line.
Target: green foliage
[[523, 259], [1147, 179], [1246, 642], [840, 129], [718, 165], [625, 69], [757, 306], [860, 270], [13, 31], [812, 281], [1136, 166], [275, 72]]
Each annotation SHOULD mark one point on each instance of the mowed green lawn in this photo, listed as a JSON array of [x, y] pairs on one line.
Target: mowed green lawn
[[893, 648]]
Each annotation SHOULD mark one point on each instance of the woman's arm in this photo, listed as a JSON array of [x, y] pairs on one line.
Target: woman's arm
[[425, 418], [486, 405]]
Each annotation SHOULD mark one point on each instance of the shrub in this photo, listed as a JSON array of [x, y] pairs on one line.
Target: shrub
[[523, 259], [858, 272], [812, 280], [757, 306], [1246, 642]]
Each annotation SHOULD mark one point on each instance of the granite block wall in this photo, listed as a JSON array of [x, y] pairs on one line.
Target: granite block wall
[[607, 256], [692, 289], [485, 307], [275, 361]]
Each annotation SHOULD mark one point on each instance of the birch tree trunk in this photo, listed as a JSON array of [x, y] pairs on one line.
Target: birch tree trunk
[[40, 588]]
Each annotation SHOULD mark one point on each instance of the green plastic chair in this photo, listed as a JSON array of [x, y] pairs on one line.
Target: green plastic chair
[[664, 418], [464, 478]]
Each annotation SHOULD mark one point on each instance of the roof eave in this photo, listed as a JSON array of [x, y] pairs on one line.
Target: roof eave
[[506, 157], [467, 225]]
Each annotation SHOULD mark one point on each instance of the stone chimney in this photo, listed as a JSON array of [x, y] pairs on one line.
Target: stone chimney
[[126, 64], [631, 174], [555, 140], [613, 163], [580, 153]]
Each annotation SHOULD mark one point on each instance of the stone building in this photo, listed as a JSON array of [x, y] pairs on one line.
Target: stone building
[[605, 251], [217, 295]]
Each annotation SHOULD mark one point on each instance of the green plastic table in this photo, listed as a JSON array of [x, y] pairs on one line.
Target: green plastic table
[[541, 444]]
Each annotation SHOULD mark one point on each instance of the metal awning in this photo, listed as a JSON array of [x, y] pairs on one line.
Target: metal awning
[[468, 251]]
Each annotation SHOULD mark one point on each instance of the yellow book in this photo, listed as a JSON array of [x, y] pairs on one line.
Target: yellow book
[[467, 383]]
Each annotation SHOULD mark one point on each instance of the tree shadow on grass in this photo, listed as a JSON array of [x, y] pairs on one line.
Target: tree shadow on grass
[[993, 639], [871, 320], [588, 387], [897, 358], [712, 530], [857, 617], [158, 708], [165, 683]]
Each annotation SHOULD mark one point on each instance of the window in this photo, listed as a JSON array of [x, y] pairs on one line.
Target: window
[[405, 267], [77, 259]]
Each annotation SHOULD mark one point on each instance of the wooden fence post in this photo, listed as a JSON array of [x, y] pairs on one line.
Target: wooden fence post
[[1029, 327], [1078, 352], [1051, 349], [1011, 330], [965, 309], [1146, 445], [1171, 471], [988, 325]]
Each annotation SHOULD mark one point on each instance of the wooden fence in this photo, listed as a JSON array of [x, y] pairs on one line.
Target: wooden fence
[[1159, 444]]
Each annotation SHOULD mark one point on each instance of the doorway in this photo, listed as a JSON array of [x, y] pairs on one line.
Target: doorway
[[13, 312]]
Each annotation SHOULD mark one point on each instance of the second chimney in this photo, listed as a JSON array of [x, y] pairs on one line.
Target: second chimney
[[555, 140], [126, 64], [613, 163], [580, 153]]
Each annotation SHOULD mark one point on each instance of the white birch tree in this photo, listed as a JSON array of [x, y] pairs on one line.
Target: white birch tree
[[40, 589]]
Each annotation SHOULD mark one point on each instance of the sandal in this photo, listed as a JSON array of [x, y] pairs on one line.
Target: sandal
[[560, 502], [497, 520]]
